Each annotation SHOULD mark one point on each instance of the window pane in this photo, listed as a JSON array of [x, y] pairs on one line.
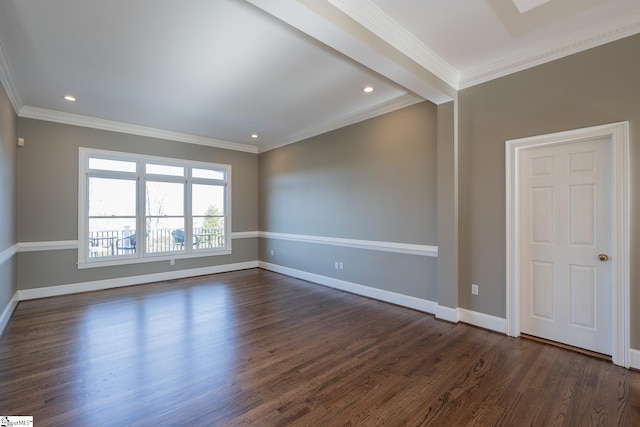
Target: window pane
[[208, 232], [165, 198], [207, 173], [112, 165], [165, 234], [112, 236], [208, 200], [112, 197], [165, 170]]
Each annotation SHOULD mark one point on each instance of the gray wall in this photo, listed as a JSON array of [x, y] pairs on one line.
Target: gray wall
[[47, 172], [447, 207], [375, 180], [598, 86], [8, 140]]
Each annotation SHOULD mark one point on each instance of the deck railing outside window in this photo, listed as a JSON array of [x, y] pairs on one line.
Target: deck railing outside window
[[106, 243]]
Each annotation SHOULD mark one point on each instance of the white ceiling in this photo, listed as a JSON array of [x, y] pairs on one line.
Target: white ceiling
[[214, 72]]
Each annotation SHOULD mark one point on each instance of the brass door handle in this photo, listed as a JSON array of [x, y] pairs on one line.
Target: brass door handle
[[603, 257]]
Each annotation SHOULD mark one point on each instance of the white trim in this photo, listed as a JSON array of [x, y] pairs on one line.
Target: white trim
[[374, 245], [8, 82], [8, 253], [403, 101], [47, 246], [619, 134], [486, 321], [454, 315], [354, 288], [593, 37], [140, 176], [55, 245], [634, 358], [113, 261], [245, 235], [405, 248], [370, 16], [73, 288], [447, 313], [113, 126], [526, 5], [95, 123], [7, 312]]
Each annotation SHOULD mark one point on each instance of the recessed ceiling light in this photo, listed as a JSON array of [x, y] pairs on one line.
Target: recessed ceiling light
[[254, 135], [69, 98], [367, 89]]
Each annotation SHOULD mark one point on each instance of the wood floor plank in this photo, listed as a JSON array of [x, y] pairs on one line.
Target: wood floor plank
[[258, 348]]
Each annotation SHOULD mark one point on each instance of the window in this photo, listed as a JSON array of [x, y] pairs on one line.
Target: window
[[134, 208]]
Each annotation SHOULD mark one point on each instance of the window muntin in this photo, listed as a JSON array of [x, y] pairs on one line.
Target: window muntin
[[182, 208]]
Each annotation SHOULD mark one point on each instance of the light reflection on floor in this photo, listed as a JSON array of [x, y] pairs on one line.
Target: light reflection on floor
[[165, 341]]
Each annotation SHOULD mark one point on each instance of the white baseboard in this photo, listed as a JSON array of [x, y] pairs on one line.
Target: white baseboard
[[7, 312], [447, 313], [73, 288], [634, 359], [482, 320], [354, 288], [486, 321], [454, 315]]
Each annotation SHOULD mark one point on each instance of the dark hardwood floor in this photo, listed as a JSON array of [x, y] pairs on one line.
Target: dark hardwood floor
[[257, 348]]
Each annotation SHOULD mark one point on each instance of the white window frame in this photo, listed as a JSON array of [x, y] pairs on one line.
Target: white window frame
[[140, 255]]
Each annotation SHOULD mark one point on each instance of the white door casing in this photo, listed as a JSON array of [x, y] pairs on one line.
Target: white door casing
[[565, 224], [615, 138]]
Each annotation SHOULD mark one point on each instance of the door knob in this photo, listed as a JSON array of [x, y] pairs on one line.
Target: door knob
[[603, 257]]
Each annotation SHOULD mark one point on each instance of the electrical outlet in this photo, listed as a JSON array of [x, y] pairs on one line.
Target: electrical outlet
[[271, 252], [172, 262], [474, 289], [341, 265], [337, 265]]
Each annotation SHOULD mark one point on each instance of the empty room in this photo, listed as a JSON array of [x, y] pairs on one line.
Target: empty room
[[319, 213]]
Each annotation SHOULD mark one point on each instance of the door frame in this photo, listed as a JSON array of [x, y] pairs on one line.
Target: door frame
[[618, 134]]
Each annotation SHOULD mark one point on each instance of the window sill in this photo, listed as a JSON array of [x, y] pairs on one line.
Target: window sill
[[110, 262]]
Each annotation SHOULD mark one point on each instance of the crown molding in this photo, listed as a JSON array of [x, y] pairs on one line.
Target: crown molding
[[94, 123], [578, 42], [382, 25], [8, 82], [403, 101]]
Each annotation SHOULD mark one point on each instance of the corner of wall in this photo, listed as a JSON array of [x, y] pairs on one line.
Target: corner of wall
[[7, 312]]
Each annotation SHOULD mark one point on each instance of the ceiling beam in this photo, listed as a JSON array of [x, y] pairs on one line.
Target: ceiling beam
[[336, 29]]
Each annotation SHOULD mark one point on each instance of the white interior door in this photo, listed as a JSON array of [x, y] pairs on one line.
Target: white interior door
[[565, 203]]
